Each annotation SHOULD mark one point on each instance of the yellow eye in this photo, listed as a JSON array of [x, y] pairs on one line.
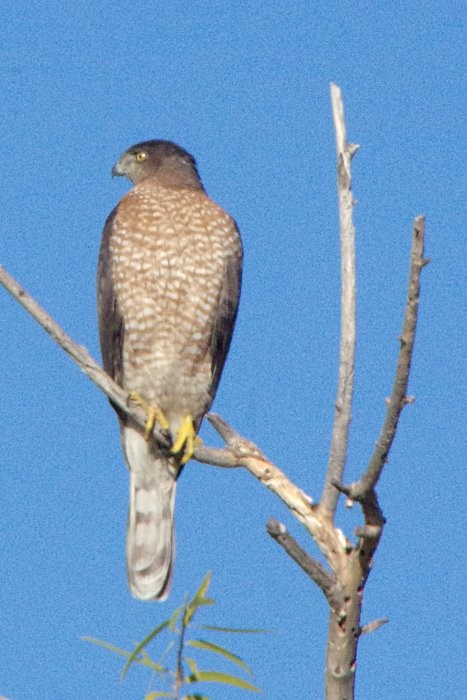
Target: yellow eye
[[141, 155]]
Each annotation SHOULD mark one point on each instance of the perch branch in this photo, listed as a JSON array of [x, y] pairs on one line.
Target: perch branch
[[78, 353], [343, 403]]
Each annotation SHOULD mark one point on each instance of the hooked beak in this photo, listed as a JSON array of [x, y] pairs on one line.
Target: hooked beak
[[117, 170]]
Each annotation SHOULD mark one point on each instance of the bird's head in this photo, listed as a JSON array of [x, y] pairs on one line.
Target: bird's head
[[164, 159]]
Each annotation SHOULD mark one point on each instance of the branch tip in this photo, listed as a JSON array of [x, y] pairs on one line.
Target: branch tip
[[373, 626], [275, 528]]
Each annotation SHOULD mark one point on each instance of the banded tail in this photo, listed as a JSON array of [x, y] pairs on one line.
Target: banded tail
[[150, 543]]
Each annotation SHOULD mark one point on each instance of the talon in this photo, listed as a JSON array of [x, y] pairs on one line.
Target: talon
[[153, 415], [186, 440]]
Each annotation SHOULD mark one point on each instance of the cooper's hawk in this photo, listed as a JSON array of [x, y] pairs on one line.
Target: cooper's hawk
[[168, 287]]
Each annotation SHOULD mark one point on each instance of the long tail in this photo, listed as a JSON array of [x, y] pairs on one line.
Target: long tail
[[150, 544]]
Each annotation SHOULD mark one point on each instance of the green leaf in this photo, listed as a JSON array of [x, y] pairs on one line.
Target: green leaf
[[144, 661], [192, 608], [157, 694], [216, 677], [174, 617], [166, 651], [106, 645], [234, 630], [208, 646], [195, 697], [139, 647], [192, 666], [203, 589], [198, 599]]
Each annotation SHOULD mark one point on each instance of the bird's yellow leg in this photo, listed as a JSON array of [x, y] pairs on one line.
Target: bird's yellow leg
[[186, 440], [153, 415]]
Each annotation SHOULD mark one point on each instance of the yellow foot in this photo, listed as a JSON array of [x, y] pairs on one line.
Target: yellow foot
[[186, 440], [153, 415]]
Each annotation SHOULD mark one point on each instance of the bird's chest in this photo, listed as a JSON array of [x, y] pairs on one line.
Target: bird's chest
[[165, 277], [167, 273]]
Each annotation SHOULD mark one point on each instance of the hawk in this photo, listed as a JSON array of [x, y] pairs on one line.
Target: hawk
[[168, 282]]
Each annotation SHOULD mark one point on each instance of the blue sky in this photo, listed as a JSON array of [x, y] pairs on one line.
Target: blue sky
[[245, 88]]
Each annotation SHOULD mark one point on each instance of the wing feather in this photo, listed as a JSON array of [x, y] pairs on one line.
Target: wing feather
[[226, 315], [110, 319]]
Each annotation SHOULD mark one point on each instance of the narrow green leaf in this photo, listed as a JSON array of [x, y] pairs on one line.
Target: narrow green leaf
[[106, 645], [195, 697], [139, 647], [192, 666], [193, 606], [157, 694], [167, 650], [174, 617], [198, 599], [234, 630], [144, 661], [203, 589], [216, 649], [225, 678]]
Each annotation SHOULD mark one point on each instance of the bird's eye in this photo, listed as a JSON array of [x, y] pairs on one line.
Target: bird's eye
[[140, 156]]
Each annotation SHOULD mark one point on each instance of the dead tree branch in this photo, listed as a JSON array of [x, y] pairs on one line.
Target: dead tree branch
[[244, 453], [78, 353], [343, 403], [310, 566], [399, 397]]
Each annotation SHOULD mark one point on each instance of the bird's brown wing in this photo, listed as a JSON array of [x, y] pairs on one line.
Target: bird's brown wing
[[226, 315], [110, 319]]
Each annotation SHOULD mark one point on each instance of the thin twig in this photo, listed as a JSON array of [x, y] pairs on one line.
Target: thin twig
[[398, 399], [179, 675], [310, 566], [373, 626], [343, 403]]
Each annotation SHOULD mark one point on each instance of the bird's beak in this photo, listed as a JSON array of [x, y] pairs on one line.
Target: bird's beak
[[117, 170]]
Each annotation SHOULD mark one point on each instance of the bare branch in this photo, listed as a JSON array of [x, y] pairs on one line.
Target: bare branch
[[373, 626], [310, 566], [236, 443], [343, 403], [399, 398], [78, 354], [330, 540]]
